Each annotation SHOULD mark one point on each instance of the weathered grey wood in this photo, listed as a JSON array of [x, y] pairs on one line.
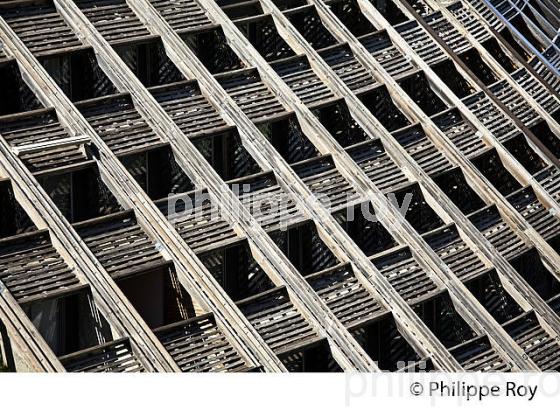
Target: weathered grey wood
[[108, 297], [542, 306], [77, 122], [348, 165], [358, 361], [327, 238], [445, 139]]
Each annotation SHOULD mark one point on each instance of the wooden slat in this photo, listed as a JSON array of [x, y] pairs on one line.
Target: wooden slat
[[342, 292], [326, 182], [303, 81], [120, 244], [421, 42], [489, 221], [537, 343], [188, 108], [199, 223], [343, 62], [384, 51], [119, 124], [372, 158], [455, 253], [256, 100], [423, 150], [478, 355], [528, 205], [182, 15], [406, 275]]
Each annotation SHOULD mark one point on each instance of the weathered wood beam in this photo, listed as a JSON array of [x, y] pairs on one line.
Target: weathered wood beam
[[61, 143]]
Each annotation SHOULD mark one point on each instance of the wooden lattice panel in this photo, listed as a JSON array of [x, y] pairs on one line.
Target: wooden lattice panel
[[298, 75], [348, 68], [478, 355], [553, 56], [278, 321], [420, 7], [455, 253], [501, 126], [537, 343], [31, 268], [549, 178], [37, 127], [485, 12], [378, 166], [268, 202], [199, 345], [537, 90], [182, 15], [528, 205], [472, 24], [188, 108], [326, 182], [40, 27], [406, 275], [114, 19], [448, 33], [423, 150], [198, 221], [343, 293], [254, 98], [516, 103], [384, 51], [119, 124], [421, 42], [120, 244], [490, 223], [461, 133]]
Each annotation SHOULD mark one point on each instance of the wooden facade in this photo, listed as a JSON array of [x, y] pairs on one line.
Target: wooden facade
[[186, 184]]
